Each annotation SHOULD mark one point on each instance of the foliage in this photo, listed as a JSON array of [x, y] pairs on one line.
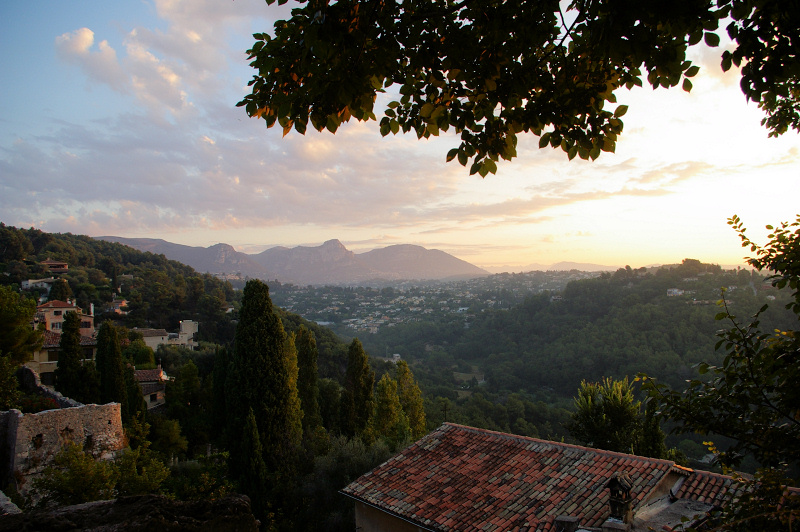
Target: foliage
[[329, 401], [390, 422], [357, 400], [74, 478], [203, 478], [752, 396], [76, 378], [9, 385], [109, 366], [411, 400], [759, 503], [166, 437], [33, 403], [252, 480], [606, 416], [317, 503], [307, 387], [159, 292], [136, 406], [60, 291], [491, 71], [18, 340], [188, 403], [139, 353], [263, 377], [140, 472]]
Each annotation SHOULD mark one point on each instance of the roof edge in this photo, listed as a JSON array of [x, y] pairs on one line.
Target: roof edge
[[392, 513]]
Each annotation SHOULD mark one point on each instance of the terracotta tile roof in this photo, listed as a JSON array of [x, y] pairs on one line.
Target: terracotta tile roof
[[53, 339], [56, 304], [149, 375], [463, 478], [703, 486], [153, 387]]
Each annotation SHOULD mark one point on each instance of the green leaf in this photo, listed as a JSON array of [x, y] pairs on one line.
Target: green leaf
[[462, 158], [691, 71], [687, 85], [452, 154], [621, 110], [711, 39]]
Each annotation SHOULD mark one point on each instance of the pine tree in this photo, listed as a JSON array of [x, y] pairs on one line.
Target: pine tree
[[357, 402], [307, 386], [263, 377], [390, 422], [109, 366], [411, 399]]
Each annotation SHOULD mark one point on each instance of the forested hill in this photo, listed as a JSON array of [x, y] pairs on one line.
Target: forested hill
[[159, 292], [618, 324]]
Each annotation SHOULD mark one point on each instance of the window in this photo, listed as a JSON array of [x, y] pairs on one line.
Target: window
[[153, 397], [56, 313], [55, 326], [86, 325], [52, 355]]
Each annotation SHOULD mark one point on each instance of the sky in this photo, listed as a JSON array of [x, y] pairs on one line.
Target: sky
[[119, 118]]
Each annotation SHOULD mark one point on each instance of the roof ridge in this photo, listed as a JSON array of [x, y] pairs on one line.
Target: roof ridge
[[504, 435]]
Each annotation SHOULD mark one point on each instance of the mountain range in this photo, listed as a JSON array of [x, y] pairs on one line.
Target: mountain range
[[329, 263]]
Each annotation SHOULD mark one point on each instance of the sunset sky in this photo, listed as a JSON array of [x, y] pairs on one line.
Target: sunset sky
[[119, 118]]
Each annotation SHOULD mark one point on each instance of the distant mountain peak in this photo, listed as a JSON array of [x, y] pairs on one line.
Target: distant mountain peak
[[329, 263]]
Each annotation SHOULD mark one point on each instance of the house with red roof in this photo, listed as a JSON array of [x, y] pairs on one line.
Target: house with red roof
[[52, 313], [462, 478], [154, 386], [55, 266]]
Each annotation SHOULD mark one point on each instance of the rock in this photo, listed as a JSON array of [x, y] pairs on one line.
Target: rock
[[142, 513]]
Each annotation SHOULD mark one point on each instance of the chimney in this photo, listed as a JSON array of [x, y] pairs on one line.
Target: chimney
[[567, 523], [619, 499]]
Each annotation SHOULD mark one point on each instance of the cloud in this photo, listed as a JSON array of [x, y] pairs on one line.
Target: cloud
[[100, 64]]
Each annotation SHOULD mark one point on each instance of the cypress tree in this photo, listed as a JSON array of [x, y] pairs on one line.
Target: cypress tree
[[390, 421], [218, 406], [109, 366], [136, 405], [263, 377], [307, 386], [411, 399], [357, 402], [69, 356], [253, 480]]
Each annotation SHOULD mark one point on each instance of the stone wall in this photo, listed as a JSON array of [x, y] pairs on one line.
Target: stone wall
[[29, 382], [28, 442], [32, 440]]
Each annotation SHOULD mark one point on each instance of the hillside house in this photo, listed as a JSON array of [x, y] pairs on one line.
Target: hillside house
[[45, 284], [185, 337], [154, 386], [153, 337], [45, 360], [52, 313], [55, 266], [462, 478]]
